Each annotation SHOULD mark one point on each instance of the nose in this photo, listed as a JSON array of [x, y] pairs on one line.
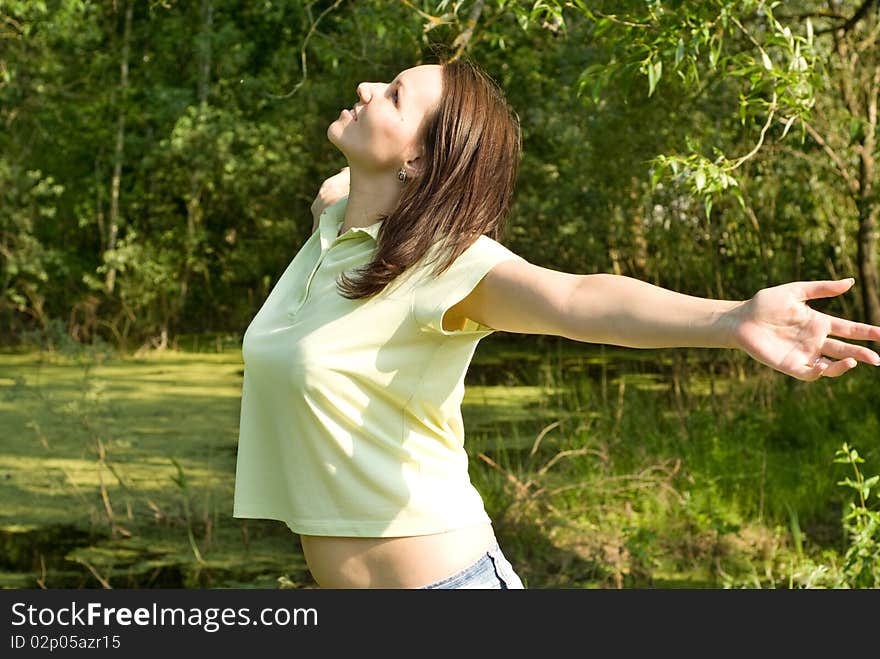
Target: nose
[[365, 91]]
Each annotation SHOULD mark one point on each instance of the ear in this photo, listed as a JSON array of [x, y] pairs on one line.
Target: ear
[[415, 166]]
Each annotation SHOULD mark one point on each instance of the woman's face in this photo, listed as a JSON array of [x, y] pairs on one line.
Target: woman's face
[[380, 133]]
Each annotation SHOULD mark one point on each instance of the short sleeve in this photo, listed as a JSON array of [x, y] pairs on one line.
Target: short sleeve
[[434, 295]]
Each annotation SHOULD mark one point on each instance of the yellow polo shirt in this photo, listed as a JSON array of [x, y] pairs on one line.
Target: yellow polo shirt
[[351, 409]]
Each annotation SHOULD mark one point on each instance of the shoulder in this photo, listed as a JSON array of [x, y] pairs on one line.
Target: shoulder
[[518, 296], [483, 254]]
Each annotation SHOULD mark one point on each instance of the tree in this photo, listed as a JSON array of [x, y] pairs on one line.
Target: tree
[[177, 146]]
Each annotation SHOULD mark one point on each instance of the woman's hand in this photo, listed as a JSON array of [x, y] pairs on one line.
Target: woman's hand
[[332, 190], [779, 329]]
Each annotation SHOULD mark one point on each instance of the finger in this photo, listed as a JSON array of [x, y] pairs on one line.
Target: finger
[[841, 350], [852, 330], [832, 369], [811, 290]]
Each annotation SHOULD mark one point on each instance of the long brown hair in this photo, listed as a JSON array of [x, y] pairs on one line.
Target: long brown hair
[[472, 148]]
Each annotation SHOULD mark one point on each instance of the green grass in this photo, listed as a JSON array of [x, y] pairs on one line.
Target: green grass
[[601, 467]]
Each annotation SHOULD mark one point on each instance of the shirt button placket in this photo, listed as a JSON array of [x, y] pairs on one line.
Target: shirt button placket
[[325, 247]]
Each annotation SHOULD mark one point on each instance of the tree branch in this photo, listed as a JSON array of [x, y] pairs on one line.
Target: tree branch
[[302, 52], [462, 40], [821, 13], [871, 40], [849, 24], [739, 161], [430, 21], [835, 158]]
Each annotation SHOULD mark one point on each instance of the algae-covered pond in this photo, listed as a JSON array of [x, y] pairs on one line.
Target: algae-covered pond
[[601, 467], [119, 470]]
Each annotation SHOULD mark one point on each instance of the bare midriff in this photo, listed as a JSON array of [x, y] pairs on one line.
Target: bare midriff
[[402, 562]]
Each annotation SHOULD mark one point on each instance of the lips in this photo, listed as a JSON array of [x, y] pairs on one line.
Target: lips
[[352, 112]]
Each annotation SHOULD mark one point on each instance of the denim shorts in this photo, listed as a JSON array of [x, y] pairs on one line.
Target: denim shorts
[[492, 570]]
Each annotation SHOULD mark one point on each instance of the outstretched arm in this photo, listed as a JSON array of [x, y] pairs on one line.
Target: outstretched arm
[[775, 326]]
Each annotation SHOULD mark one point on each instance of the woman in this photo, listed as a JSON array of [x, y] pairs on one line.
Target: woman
[[351, 427]]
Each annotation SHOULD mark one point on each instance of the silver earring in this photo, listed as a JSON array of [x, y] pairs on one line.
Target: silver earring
[[402, 175]]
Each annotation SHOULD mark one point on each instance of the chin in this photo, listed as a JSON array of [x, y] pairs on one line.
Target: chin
[[331, 132], [336, 132]]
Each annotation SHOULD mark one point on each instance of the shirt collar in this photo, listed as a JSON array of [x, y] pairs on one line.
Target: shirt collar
[[333, 217]]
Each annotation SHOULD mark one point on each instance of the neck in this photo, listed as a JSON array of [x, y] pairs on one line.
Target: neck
[[370, 195]]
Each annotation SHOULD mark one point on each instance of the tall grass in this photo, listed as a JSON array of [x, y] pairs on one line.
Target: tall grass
[[697, 470]]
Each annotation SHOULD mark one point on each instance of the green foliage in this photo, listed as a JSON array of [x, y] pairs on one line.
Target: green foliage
[[861, 565], [27, 202], [709, 45], [647, 126], [182, 483]]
